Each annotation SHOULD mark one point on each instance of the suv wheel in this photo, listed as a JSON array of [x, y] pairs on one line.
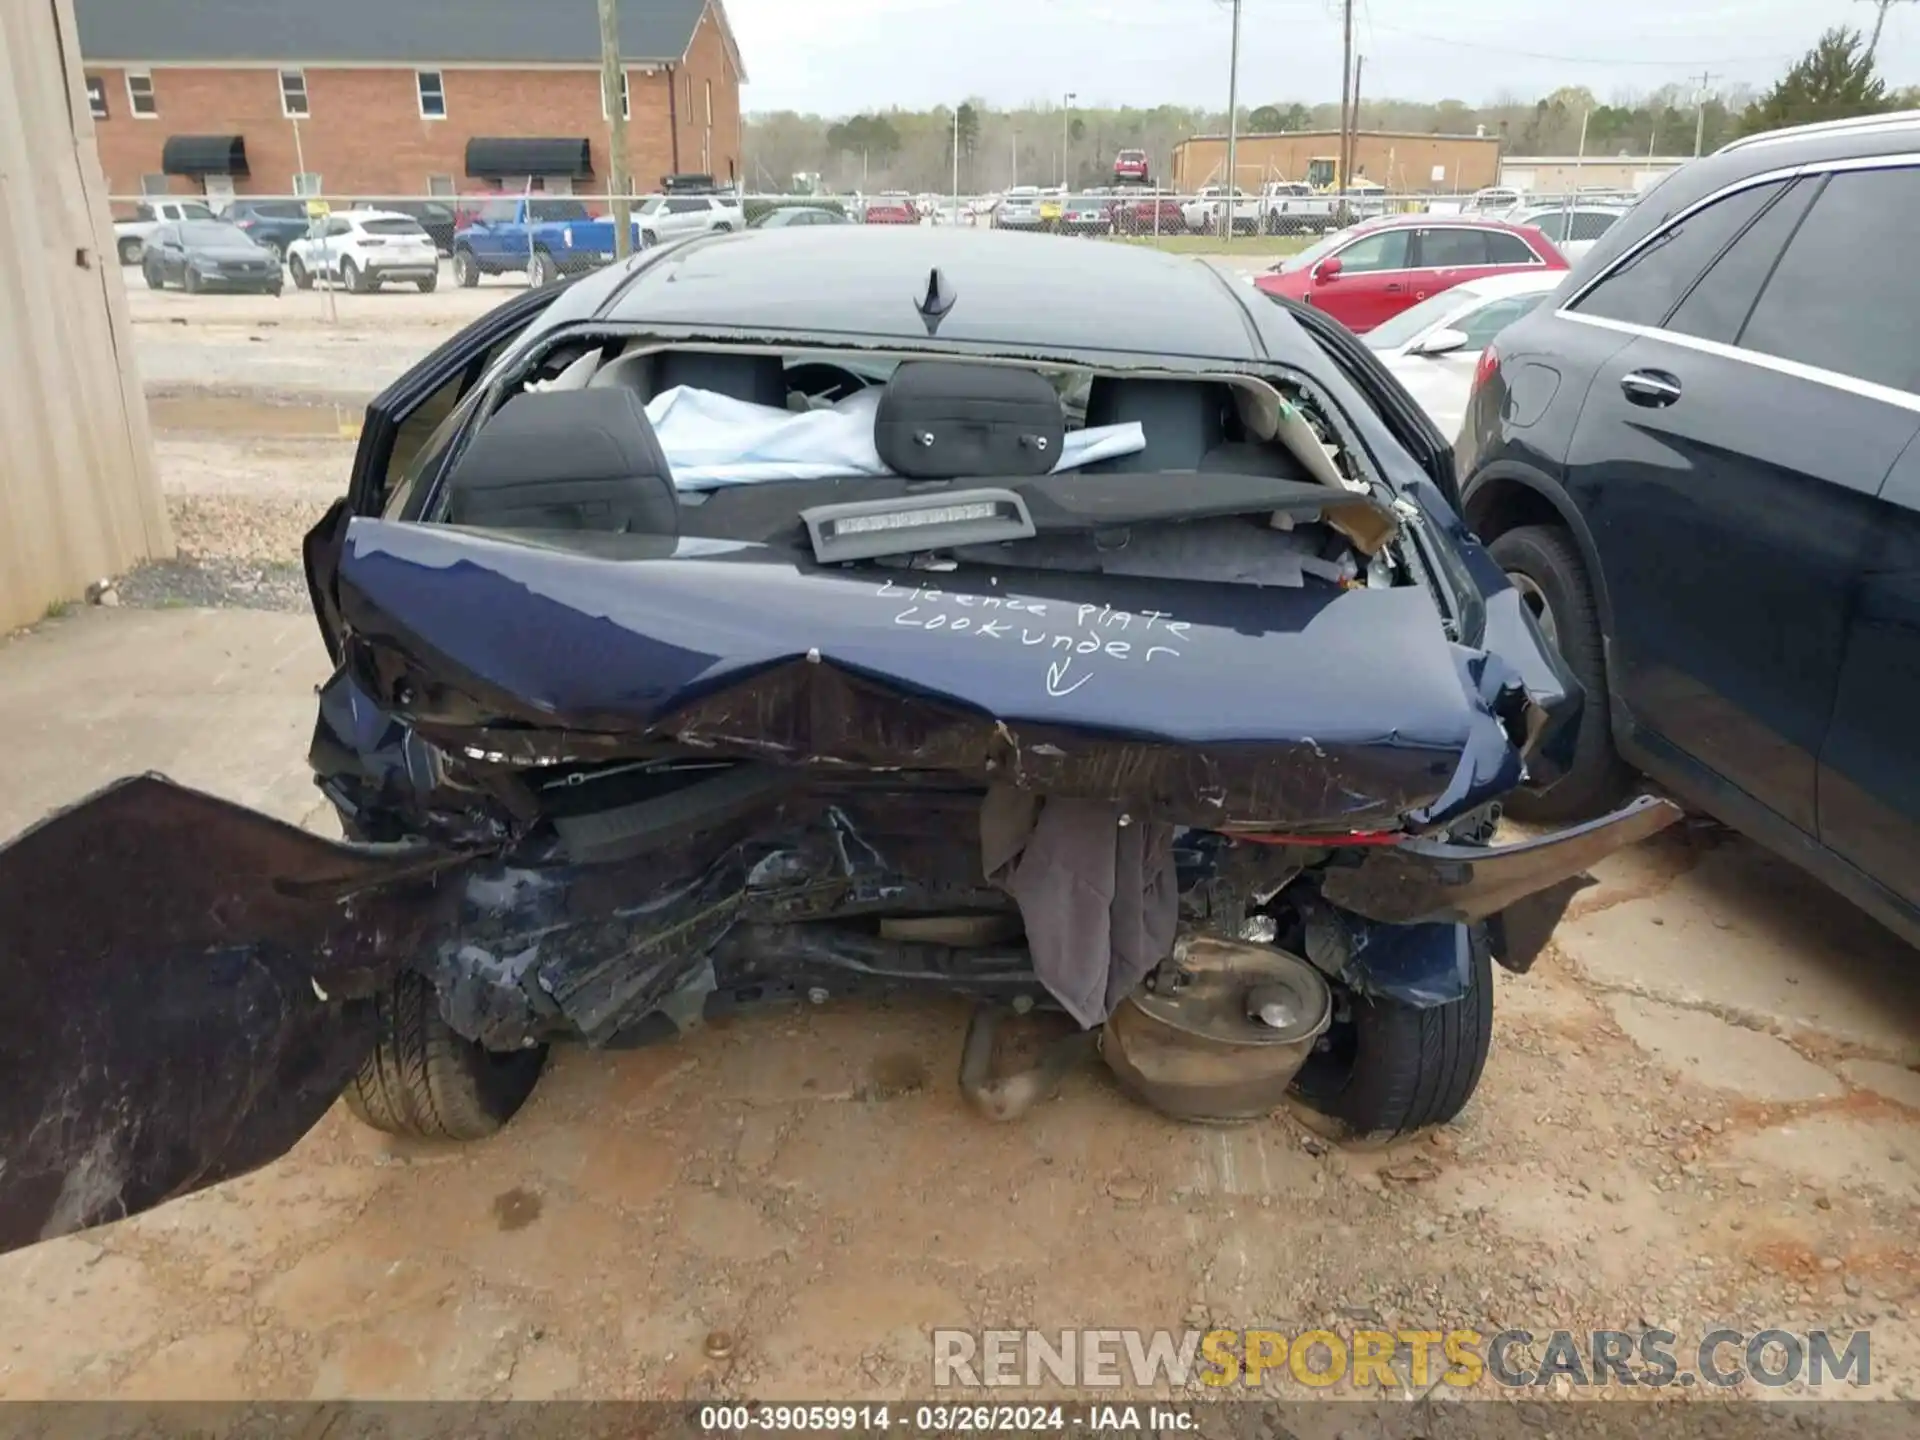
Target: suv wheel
[[1387, 1068], [302, 280], [130, 251], [425, 1080], [352, 277], [1545, 568], [541, 270], [466, 270]]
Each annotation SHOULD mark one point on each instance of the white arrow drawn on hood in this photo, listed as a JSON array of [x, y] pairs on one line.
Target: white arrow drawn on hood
[[1057, 672]]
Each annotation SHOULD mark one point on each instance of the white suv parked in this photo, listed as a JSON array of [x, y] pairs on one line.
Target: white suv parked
[[363, 249], [673, 217]]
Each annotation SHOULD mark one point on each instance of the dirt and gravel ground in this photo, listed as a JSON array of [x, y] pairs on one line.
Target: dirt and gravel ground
[[1702, 1110]]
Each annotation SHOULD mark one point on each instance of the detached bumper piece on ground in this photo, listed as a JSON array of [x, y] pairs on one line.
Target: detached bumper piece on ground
[[1197, 747]]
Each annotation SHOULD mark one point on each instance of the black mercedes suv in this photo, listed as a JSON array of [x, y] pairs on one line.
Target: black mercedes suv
[[1699, 464]]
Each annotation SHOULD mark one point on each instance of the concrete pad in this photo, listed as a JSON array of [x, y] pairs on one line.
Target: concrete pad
[[1709, 1050], [218, 699], [1750, 934], [1891, 1082]]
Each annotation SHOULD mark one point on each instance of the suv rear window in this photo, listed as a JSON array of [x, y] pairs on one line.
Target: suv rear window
[[392, 227]]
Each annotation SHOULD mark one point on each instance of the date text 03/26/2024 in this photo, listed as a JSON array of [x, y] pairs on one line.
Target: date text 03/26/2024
[[942, 1419]]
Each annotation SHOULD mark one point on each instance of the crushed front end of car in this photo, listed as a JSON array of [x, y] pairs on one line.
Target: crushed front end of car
[[1203, 751]]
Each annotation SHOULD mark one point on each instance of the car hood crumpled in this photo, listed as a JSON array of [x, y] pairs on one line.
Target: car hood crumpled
[[1207, 705]]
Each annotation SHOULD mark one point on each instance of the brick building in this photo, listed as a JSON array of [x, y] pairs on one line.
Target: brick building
[[402, 97]]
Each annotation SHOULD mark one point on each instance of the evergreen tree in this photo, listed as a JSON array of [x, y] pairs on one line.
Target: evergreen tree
[[1833, 81]]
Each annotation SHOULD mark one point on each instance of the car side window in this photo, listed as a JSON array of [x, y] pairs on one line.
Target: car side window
[[1553, 226], [498, 212], [339, 227], [1588, 225], [685, 206], [1643, 289], [1846, 294], [1718, 304], [1489, 320], [1384, 251], [1445, 247], [1507, 249]]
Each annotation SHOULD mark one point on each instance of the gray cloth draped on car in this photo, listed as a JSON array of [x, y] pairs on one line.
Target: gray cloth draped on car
[[1097, 893]]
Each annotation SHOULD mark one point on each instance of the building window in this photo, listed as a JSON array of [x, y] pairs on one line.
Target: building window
[[306, 184], [439, 184], [709, 85], [140, 99], [293, 94], [97, 96], [626, 100], [153, 184], [433, 94]]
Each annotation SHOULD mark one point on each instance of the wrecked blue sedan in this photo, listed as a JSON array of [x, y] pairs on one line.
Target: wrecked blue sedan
[[793, 615]]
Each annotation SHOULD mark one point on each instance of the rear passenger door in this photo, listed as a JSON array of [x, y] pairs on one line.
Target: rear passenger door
[[1728, 460]]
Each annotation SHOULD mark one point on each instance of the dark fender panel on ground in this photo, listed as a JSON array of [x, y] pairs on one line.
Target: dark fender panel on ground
[[185, 983], [1521, 889]]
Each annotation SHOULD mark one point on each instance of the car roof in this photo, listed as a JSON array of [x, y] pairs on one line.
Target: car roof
[[1437, 222], [1514, 282], [1867, 137], [1012, 294], [371, 215]]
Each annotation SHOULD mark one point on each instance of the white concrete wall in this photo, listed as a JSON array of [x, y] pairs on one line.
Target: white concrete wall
[[79, 499]]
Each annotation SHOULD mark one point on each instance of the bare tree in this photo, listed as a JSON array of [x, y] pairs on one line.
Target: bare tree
[[1880, 8]]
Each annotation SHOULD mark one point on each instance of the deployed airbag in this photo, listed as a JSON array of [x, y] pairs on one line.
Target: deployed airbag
[[714, 440]]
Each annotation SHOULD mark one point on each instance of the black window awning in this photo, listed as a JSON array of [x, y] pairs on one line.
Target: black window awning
[[502, 158], [204, 155]]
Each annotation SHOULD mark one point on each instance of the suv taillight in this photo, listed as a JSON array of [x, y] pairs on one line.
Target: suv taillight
[[1483, 372]]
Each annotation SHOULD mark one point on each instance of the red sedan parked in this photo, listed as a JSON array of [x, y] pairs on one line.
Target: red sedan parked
[[1369, 274]]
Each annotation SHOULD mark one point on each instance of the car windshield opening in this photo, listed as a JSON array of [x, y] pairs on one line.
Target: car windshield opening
[[213, 232]]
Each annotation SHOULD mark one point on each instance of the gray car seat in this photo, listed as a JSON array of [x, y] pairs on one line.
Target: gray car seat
[[566, 460], [1182, 419]]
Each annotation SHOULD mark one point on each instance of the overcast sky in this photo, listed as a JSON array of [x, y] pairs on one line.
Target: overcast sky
[[841, 56]]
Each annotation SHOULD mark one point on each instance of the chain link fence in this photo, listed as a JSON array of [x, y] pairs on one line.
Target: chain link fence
[[513, 229]]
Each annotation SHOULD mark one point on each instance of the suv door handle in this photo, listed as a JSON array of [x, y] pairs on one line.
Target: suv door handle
[[1653, 388], [1395, 288]]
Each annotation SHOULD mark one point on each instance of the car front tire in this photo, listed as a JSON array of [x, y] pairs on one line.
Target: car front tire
[[429, 285], [466, 270], [541, 270], [130, 251], [301, 279], [425, 1081], [1387, 1068], [1544, 566]]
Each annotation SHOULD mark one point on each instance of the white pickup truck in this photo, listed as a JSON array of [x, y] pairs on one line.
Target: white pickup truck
[[1293, 207], [1202, 214], [130, 236]]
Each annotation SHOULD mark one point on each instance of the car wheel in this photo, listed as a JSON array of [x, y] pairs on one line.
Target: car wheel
[[301, 279], [155, 281], [542, 271], [130, 251], [278, 251], [1386, 1068], [427, 1081], [647, 237], [466, 270], [429, 285], [1545, 568], [352, 277]]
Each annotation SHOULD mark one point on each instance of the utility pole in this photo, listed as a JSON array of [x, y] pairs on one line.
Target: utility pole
[[1346, 93], [1700, 111], [1066, 122], [956, 164], [613, 91], [1233, 128], [1353, 139], [1880, 8]]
